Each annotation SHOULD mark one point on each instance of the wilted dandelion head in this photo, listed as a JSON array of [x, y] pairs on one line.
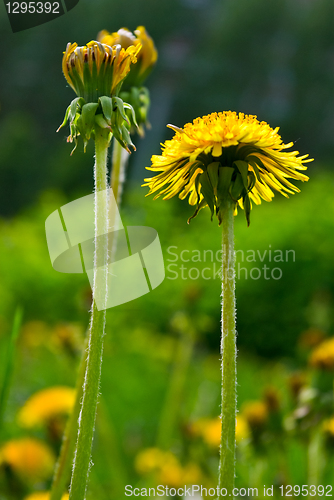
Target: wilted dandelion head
[[225, 156], [45, 405]]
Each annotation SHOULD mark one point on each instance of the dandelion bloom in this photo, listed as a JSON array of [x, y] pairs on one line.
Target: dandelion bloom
[[255, 413], [44, 495], [97, 69], [322, 356], [45, 405], [29, 458], [242, 430], [225, 155], [328, 427], [209, 429], [166, 468], [146, 57]]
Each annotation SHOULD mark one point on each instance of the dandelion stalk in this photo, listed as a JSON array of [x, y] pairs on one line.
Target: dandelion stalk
[[228, 354], [63, 465], [9, 362], [119, 161], [96, 331], [96, 73]]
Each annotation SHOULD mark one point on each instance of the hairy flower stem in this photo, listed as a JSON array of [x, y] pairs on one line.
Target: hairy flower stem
[[62, 470], [63, 465], [228, 355], [120, 158], [91, 386]]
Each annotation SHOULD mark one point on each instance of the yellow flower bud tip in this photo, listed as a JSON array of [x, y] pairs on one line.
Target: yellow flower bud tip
[[224, 156], [97, 69], [146, 58]]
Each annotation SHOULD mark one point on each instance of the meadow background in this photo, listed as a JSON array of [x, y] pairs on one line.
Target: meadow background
[[161, 375]]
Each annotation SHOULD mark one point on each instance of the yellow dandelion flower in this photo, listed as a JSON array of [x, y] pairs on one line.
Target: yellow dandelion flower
[[322, 356], [97, 69], [255, 413], [242, 430], [29, 458], [45, 405], [146, 57], [44, 495], [209, 429], [192, 474], [163, 465], [152, 459], [171, 473], [328, 426], [225, 155]]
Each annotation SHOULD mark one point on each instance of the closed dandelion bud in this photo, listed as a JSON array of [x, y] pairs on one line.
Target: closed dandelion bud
[[225, 156], [96, 72]]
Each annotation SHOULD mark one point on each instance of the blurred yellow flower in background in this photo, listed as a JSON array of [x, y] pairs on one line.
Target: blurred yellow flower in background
[[29, 458], [322, 356], [45, 405], [44, 495], [151, 459], [255, 413], [328, 426], [242, 430], [166, 468], [209, 429]]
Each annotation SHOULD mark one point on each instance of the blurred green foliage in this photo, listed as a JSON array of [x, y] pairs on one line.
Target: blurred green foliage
[[271, 312]]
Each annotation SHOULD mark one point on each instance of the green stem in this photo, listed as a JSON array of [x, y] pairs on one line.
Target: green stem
[[119, 161], [9, 362], [63, 466], [228, 353], [97, 325]]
